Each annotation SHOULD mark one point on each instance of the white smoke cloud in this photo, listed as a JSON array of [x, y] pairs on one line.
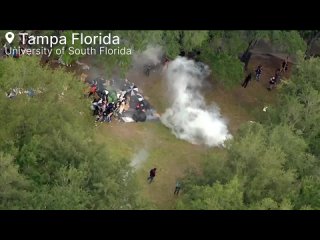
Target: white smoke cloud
[[152, 55], [139, 158], [189, 118]]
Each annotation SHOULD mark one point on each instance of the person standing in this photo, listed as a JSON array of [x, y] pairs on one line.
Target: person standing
[[152, 174], [284, 65], [272, 83], [258, 72]]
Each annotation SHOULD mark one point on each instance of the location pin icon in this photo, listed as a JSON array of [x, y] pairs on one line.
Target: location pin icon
[[9, 37]]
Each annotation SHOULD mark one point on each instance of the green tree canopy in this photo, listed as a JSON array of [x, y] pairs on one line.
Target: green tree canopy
[[50, 158]]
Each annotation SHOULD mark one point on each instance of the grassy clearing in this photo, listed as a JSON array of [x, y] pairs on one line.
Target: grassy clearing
[[171, 156]]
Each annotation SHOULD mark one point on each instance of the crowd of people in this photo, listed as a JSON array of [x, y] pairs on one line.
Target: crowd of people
[[273, 81], [112, 104]]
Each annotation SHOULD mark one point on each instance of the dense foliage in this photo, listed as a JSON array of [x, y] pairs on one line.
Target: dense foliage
[[274, 164], [49, 156]]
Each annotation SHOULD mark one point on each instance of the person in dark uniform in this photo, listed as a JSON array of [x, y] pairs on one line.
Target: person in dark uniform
[[284, 65], [258, 72]]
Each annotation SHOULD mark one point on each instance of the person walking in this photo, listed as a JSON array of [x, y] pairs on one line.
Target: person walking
[[152, 174], [177, 189]]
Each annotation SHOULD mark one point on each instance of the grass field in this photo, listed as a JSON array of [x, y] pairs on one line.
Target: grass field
[[171, 156]]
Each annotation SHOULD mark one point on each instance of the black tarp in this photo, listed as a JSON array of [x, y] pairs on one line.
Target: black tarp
[[139, 116]]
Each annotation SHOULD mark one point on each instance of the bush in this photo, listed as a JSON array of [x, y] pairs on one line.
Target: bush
[[226, 69]]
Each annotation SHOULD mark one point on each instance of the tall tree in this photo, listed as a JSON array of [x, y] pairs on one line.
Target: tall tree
[[50, 138]]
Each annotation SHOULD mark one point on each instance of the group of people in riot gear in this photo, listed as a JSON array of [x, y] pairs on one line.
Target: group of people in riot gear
[[274, 80]]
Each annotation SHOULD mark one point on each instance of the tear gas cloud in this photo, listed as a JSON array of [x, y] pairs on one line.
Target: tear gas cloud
[[189, 117], [152, 55], [139, 158]]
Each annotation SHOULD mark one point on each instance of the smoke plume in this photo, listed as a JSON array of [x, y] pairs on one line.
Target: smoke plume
[[189, 118], [139, 158], [152, 55]]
